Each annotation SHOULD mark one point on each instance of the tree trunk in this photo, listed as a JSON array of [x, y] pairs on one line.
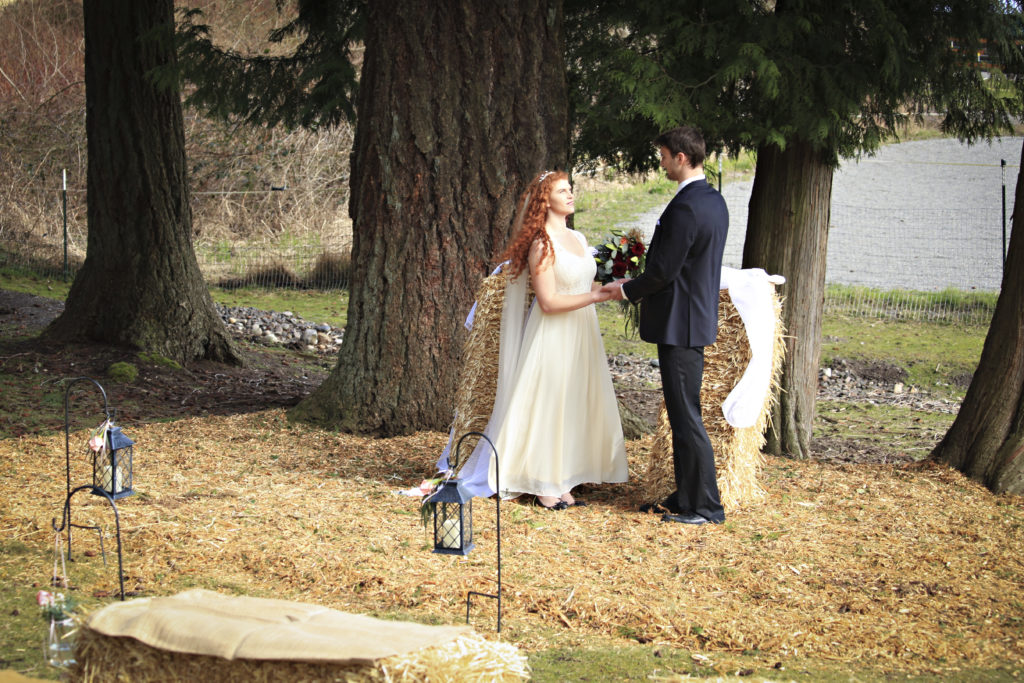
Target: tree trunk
[[140, 285], [986, 441], [787, 234], [460, 104]]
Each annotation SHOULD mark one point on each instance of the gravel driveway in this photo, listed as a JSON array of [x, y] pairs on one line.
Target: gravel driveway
[[923, 215]]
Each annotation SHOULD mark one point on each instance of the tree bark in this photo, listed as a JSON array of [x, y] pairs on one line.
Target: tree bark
[[986, 441], [140, 285], [787, 234], [460, 104]]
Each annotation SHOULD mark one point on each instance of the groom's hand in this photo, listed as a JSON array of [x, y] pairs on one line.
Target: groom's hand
[[615, 289]]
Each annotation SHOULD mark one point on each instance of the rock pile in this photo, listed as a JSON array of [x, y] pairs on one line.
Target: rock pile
[[844, 381], [280, 329]]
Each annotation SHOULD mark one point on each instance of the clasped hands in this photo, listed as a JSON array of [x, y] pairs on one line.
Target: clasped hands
[[612, 291]]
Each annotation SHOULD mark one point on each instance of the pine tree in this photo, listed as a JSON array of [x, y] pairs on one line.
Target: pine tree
[[804, 83], [986, 441], [140, 285], [459, 104]]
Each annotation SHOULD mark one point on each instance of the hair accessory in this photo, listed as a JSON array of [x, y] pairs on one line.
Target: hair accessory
[[544, 175]]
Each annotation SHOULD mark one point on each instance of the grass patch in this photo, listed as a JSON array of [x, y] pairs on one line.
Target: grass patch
[[21, 280], [616, 663], [312, 305], [25, 629], [613, 322], [602, 205], [968, 307], [900, 429]]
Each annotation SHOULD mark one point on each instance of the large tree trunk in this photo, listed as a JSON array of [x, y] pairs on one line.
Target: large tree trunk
[[986, 441], [460, 103], [140, 285], [787, 234]]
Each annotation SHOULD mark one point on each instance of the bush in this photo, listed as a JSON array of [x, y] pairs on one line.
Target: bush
[[123, 372]]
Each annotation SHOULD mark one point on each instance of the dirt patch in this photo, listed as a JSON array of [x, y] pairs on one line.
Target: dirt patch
[[877, 371], [274, 377], [963, 380], [25, 313], [853, 451]]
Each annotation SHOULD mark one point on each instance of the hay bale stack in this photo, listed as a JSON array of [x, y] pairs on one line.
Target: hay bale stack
[[737, 451], [474, 399], [205, 636], [738, 457]]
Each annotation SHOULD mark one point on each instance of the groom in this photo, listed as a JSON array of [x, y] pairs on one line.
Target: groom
[[678, 293]]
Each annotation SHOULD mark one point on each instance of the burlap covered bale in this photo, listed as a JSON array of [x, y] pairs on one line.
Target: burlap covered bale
[[201, 635], [738, 456]]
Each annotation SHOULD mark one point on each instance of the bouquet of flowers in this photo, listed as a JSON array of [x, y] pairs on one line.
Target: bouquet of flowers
[[622, 254]]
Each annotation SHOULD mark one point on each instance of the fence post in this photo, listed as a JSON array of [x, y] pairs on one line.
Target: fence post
[[1002, 173], [64, 212]]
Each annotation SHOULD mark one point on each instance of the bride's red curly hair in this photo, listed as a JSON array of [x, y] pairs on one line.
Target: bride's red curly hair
[[535, 199]]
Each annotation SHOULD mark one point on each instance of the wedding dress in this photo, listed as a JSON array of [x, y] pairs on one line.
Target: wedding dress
[[555, 422]]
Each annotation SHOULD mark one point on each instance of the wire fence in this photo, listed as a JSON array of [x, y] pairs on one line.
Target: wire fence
[[907, 264], [890, 263]]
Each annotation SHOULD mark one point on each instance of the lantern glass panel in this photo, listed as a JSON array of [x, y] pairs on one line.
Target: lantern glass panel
[[112, 466], [454, 528], [453, 518]]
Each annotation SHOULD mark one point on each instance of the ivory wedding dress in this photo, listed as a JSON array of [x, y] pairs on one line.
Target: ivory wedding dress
[[561, 426]]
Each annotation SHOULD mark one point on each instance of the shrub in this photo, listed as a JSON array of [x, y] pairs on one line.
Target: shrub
[[123, 372]]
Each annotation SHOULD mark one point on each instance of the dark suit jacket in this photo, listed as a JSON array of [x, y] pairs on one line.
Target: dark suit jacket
[[678, 290]]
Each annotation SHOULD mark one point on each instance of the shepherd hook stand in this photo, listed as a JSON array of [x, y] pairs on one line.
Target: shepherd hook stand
[[497, 517], [95, 490]]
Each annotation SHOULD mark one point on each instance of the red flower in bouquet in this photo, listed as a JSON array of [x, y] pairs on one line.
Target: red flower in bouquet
[[622, 254]]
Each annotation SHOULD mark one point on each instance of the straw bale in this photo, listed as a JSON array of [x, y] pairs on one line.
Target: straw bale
[[467, 658], [474, 398], [478, 381], [738, 457]]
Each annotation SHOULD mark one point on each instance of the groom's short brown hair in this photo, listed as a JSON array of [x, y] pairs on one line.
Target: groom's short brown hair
[[685, 139]]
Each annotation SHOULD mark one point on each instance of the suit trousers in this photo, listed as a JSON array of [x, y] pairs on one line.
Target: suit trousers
[[682, 373]]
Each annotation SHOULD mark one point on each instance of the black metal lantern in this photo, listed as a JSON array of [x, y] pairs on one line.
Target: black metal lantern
[[112, 464], [453, 518], [111, 472]]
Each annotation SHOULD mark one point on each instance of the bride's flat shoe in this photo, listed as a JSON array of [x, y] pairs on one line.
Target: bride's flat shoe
[[560, 505]]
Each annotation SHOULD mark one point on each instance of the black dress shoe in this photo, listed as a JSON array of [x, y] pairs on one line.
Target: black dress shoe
[[683, 518]]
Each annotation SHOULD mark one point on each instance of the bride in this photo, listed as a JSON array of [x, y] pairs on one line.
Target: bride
[[555, 420]]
